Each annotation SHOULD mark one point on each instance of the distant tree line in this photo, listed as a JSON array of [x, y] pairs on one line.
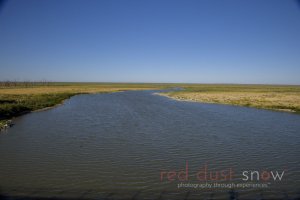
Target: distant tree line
[[9, 83]]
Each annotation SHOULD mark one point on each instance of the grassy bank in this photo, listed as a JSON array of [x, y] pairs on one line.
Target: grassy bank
[[20, 98], [17, 99], [274, 97]]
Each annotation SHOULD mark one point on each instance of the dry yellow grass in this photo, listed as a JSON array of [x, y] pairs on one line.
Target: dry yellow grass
[[275, 98], [18, 100], [61, 89]]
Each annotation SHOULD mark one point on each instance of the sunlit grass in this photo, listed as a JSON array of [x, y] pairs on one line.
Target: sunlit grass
[[20, 99], [275, 97]]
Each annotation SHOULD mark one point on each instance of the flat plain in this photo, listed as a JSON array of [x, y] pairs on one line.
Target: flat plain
[[273, 97], [20, 98]]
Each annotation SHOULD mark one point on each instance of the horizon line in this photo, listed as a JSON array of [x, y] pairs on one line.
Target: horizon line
[[132, 82]]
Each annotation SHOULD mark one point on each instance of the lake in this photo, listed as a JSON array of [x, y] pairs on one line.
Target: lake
[[139, 145]]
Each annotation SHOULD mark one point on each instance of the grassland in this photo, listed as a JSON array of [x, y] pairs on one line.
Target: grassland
[[23, 98], [274, 97], [18, 99]]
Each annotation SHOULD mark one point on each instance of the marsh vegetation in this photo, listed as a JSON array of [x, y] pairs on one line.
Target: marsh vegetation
[[17, 98], [274, 97]]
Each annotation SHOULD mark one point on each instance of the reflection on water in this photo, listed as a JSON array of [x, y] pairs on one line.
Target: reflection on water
[[120, 144]]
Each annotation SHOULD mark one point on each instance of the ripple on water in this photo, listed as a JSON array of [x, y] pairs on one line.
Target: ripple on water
[[119, 143]]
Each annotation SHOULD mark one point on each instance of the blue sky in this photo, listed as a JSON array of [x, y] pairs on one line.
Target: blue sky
[[193, 41]]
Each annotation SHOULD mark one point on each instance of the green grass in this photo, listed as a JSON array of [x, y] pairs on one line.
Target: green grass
[[14, 105], [21, 99]]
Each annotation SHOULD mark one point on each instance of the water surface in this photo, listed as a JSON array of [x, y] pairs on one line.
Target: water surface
[[118, 144]]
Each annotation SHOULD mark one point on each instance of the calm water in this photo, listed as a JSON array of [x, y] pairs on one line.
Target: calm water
[[117, 145]]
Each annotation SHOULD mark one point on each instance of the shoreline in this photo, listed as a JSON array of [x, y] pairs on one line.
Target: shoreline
[[220, 103], [6, 123], [17, 101]]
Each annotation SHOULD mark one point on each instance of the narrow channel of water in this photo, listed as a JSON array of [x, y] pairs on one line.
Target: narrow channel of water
[[131, 143]]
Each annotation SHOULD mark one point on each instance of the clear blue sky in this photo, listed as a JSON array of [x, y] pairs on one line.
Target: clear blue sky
[[196, 41]]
